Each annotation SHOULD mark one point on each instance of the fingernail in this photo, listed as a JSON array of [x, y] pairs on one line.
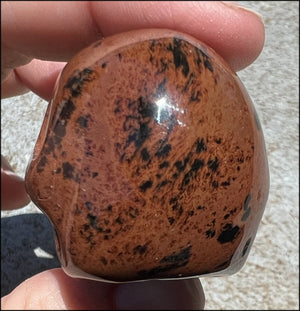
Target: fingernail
[[234, 5], [165, 294]]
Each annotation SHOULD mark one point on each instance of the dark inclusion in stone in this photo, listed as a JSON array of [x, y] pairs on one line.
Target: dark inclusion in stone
[[247, 208], [163, 150], [145, 154], [169, 262], [68, 170], [67, 110], [137, 125], [140, 249], [164, 164], [228, 234], [83, 121], [246, 247], [213, 164], [247, 201], [76, 82], [146, 185], [41, 164], [59, 128], [180, 59], [200, 145]]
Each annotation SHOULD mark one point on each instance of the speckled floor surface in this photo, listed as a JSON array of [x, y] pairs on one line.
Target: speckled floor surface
[[270, 278]]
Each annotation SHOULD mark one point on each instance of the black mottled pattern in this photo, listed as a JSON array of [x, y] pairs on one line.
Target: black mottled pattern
[[171, 220], [140, 249], [162, 183], [59, 130], [67, 110], [200, 145], [246, 247], [93, 222], [189, 82], [222, 266], [167, 263], [186, 170], [50, 145], [164, 150], [247, 201], [41, 164], [246, 214], [208, 65], [133, 212], [195, 95], [203, 58], [183, 255], [229, 233], [146, 185], [83, 121], [179, 57], [88, 205], [68, 170], [247, 208], [64, 113], [210, 233], [225, 183], [213, 165], [76, 82], [137, 126], [181, 165], [215, 184], [197, 164], [164, 164], [103, 260], [145, 154]]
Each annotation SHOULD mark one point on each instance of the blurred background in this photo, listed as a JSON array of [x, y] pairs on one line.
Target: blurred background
[[270, 278]]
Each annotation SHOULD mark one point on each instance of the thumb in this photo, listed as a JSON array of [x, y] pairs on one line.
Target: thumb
[[53, 290], [13, 193]]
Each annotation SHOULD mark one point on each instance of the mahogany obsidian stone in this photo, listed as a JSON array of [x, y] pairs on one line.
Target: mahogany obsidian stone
[[151, 162]]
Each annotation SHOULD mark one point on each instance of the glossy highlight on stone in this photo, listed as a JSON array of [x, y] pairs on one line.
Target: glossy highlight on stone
[[151, 162]]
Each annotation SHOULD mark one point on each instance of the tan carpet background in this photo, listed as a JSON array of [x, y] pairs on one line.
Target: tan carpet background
[[269, 279]]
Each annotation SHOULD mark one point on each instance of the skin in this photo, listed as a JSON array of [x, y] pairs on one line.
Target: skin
[[37, 40]]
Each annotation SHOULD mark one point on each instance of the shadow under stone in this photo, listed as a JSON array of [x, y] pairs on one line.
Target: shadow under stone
[[27, 248]]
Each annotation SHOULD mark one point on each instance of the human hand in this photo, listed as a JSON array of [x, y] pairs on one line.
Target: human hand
[[37, 38]]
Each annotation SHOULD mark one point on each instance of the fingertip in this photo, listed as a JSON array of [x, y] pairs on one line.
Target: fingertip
[[237, 34], [247, 37], [54, 290], [13, 192], [40, 76], [161, 294]]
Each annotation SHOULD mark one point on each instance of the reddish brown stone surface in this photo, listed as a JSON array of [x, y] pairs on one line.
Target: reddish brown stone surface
[[151, 161]]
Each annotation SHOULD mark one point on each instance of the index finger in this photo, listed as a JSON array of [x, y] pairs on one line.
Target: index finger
[[56, 31]]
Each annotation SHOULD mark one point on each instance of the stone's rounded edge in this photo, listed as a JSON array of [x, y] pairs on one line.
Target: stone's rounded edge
[[106, 45]]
